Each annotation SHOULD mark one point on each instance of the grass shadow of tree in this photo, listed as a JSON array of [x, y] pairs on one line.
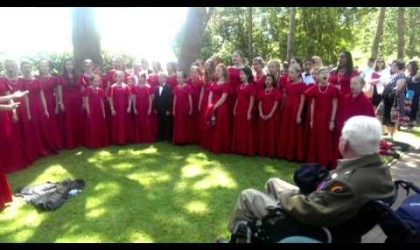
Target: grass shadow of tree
[[147, 193]]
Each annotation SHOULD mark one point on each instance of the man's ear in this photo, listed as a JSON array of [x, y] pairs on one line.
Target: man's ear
[[347, 146]]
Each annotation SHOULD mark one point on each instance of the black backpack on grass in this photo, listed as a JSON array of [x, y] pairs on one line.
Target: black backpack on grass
[[49, 195]]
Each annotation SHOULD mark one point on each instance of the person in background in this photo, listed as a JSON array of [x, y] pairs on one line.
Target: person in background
[[273, 67], [142, 106], [153, 78], [5, 190], [307, 71], [86, 77], [96, 131], [119, 99], [259, 74], [353, 104], [323, 109], [284, 68], [243, 138], [233, 76], [195, 81], [72, 118], [268, 117], [20, 121], [413, 92], [145, 67], [182, 111], [341, 75], [291, 134], [171, 80], [97, 70], [296, 61], [13, 151], [393, 99], [53, 97], [317, 61], [218, 113], [162, 105], [376, 81], [208, 79], [366, 71], [200, 64]]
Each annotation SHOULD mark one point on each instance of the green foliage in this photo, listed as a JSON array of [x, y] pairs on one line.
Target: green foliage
[[57, 59], [322, 31], [138, 193]]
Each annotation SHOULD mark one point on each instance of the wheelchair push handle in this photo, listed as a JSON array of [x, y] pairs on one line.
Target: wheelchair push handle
[[406, 185]]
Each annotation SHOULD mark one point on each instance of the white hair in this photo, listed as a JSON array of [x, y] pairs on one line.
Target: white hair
[[363, 134]]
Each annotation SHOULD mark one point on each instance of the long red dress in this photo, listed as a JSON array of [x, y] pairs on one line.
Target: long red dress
[[182, 120], [11, 155], [291, 134], [234, 81], [196, 89], [73, 118], [142, 121], [39, 120], [217, 139], [53, 136], [306, 117], [243, 139], [5, 191], [119, 122], [96, 131], [321, 144], [202, 114], [341, 80], [172, 81], [267, 129], [23, 126]]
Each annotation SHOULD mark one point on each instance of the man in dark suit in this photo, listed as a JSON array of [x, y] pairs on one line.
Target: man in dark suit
[[162, 105]]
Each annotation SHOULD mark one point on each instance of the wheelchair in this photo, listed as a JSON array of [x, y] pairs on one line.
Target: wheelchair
[[278, 228]]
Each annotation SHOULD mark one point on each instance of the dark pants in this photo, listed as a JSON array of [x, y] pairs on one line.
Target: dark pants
[[164, 127]]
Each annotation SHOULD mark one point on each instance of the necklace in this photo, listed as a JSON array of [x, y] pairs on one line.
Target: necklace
[[268, 91], [321, 91]]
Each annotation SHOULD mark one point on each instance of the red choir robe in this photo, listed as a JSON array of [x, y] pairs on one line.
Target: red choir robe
[[267, 139], [243, 138], [96, 130], [182, 128]]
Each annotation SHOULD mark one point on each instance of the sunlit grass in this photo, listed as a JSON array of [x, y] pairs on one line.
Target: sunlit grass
[[138, 193]]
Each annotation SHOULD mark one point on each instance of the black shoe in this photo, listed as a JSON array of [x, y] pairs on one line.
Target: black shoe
[[221, 240]]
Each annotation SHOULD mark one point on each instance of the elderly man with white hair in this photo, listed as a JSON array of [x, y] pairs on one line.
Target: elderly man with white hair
[[359, 177]]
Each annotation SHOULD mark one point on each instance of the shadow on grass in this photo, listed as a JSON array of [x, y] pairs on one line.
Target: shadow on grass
[[142, 193]]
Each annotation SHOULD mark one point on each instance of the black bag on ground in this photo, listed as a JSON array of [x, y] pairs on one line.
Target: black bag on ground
[[49, 195]]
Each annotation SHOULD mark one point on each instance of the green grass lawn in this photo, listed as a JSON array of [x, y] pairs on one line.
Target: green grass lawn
[[138, 193]]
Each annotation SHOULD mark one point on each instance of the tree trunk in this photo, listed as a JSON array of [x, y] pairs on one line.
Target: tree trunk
[[86, 38], [290, 35], [412, 37], [250, 52], [401, 32], [378, 34], [194, 28]]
